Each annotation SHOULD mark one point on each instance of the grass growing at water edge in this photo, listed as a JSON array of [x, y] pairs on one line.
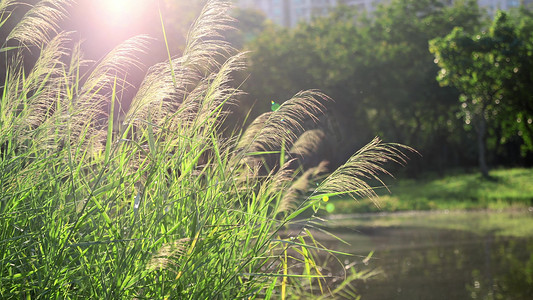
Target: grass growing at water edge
[[507, 189], [161, 206]]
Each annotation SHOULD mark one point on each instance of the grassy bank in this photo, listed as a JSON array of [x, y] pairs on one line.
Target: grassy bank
[[507, 189]]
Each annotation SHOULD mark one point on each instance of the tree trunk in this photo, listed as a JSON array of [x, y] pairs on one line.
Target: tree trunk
[[481, 144]]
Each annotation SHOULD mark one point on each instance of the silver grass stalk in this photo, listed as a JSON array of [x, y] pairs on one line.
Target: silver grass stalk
[[4, 4], [293, 196], [206, 103], [88, 108], [168, 255], [40, 23], [45, 80], [169, 84], [116, 64], [157, 94], [58, 124], [308, 143], [205, 40], [13, 118], [366, 164], [284, 124], [253, 131], [35, 91], [4, 14]]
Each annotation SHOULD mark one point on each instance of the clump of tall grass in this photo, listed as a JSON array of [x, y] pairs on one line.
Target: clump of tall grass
[[160, 205]]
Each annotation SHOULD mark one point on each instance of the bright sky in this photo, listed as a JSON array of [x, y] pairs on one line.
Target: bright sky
[[103, 24], [119, 14]]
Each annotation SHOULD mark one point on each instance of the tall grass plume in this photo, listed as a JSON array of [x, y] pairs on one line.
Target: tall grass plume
[[157, 204]]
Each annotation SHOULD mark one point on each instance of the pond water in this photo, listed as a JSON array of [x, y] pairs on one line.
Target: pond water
[[467, 255]]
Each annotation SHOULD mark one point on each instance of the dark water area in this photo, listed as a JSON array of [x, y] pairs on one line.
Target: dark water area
[[428, 260]]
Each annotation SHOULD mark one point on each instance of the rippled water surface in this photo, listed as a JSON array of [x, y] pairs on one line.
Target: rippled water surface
[[475, 255]]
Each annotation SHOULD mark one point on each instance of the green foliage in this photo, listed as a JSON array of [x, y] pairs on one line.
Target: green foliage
[[248, 24], [377, 68], [160, 205], [492, 71]]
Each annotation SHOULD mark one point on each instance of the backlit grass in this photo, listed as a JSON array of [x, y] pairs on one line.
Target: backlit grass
[[157, 203]]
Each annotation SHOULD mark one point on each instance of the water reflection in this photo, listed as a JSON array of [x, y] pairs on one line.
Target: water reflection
[[420, 262]]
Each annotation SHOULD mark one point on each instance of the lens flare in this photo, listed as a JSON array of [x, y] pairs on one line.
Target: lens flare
[[120, 14]]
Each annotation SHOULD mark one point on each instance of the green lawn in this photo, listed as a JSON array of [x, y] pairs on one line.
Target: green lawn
[[507, 189]]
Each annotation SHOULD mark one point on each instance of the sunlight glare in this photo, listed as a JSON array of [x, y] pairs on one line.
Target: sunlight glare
[[119, 14]]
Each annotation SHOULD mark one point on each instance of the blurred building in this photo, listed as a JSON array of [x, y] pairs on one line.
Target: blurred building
[[494, 5], [290, 12]]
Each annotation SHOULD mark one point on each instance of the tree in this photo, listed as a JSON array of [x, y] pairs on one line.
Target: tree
[[378, 69], [408, 103], [249, 24], [492, 71], [517, 88]]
